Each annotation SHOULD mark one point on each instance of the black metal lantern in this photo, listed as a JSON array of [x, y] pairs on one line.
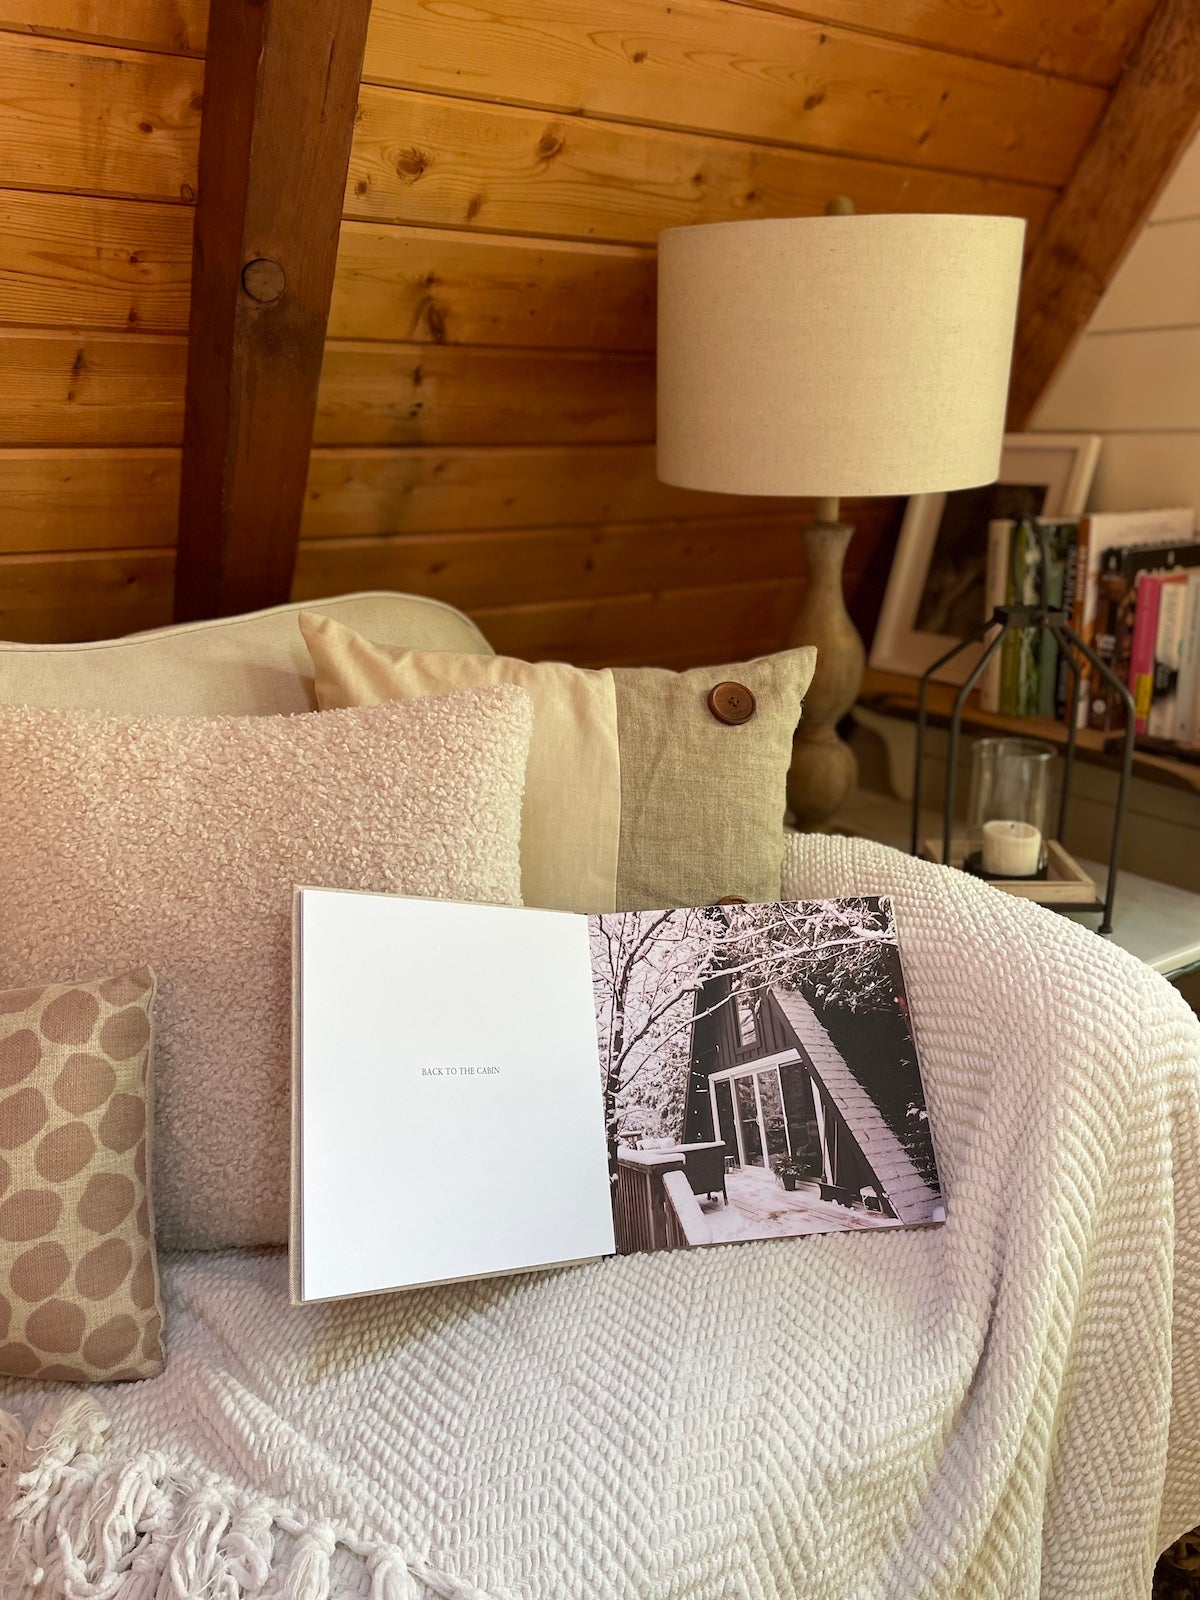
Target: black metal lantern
[[1006, 619]]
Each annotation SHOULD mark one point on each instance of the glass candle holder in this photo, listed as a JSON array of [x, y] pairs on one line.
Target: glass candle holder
[[1007, 816]]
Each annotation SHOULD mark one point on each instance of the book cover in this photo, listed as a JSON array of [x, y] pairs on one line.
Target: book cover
[[1141, 653], [480, 1090]]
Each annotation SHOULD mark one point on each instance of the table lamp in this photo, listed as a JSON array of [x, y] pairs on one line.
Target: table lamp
[[833, 356]]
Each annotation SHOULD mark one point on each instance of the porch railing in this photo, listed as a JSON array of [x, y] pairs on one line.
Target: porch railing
[[655, 1208]]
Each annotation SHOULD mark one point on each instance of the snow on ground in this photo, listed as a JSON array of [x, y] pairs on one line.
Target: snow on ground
[[761, 1208]]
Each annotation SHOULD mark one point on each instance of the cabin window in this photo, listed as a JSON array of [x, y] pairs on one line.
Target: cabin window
[[747, 1022], [765, 1112]]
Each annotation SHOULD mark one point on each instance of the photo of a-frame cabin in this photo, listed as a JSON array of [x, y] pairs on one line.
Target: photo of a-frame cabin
[[768, 1084], [776, 1091]]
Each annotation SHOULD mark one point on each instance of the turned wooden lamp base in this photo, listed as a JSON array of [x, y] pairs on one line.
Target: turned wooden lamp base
[[824, 770]]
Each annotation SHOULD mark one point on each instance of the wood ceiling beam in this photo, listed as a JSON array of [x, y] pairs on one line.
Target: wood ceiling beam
[[280, 93], [1149, 121]]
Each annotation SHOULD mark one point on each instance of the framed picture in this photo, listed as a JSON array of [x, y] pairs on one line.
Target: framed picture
[[935, 594]]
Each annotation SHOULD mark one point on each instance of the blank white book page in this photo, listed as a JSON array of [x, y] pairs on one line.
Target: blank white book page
[[449, 1118]]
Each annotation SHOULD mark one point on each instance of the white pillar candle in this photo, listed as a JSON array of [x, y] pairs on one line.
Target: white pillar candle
[[1011, 849]]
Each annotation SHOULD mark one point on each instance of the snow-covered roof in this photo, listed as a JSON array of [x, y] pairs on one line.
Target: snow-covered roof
[[910, 1196]]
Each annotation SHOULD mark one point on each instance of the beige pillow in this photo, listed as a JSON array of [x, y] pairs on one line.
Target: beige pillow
[[78, 1278], [179, 841], [646, 788]]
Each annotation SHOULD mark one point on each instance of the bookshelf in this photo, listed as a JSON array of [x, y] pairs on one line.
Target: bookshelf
[[895, 694]]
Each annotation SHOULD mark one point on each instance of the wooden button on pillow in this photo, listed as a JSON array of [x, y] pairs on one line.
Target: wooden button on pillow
[[78, 1278]]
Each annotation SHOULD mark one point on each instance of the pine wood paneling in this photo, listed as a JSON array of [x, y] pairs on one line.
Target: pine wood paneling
[[451, 163], [463, 288], [708, 66], [126, 264], [53, 500], [524, 565], [434, 394], [71, 259], [521, 566], [172, 25], [81, 117], [714, 625], [72, 597], [1085, 39], [57, 499], [109, 389], [485, 410], [355, 493], [91, 388]]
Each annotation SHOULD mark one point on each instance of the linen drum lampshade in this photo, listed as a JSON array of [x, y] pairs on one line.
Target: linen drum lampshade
[[837, 355], [832, 356]]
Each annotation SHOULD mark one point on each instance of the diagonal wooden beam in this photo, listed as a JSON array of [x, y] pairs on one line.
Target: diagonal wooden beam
[[1148, 123], [280, 93]]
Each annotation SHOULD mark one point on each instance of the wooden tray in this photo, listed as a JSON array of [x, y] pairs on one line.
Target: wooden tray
[[1065, 883]]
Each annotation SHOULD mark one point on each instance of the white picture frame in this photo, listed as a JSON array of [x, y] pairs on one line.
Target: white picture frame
[[919, 622]]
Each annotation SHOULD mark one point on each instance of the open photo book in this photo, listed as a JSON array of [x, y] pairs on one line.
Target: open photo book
[[481, 1090]]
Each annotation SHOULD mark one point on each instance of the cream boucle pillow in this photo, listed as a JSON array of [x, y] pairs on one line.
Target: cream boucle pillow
[[177, 843]]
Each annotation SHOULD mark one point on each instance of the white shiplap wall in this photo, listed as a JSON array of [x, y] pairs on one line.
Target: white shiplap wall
[[1134, 376]]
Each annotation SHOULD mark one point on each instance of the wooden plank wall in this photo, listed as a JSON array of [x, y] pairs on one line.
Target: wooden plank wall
[[485, 423], [1132, 377]]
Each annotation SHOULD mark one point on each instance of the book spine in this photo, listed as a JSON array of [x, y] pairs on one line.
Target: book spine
[[1027, 578], [1141, 656], [1063, 678], [1029, 664], [1047, 674], [995, 592], [1010, 650], [1109, 622], [1079, 620], [1189, 665], [1052, 580], [1160, 723]]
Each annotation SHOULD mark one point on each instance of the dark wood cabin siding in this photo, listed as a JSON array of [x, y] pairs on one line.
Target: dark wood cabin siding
[[716, 1046]]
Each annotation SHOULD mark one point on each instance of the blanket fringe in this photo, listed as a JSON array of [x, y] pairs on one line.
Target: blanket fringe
[[76, 1526]]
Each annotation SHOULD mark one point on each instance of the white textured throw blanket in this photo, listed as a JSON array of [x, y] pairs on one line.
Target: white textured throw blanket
[[1008, 1406]]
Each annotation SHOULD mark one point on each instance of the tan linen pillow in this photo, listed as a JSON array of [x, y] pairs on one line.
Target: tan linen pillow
[[78, 1278], [645, 788], [179, 840]]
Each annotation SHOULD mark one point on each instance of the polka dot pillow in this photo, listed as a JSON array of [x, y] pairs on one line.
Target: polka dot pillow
[[78, 1277]]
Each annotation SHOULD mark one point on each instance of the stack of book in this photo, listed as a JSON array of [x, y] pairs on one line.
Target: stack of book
[[1130, 583]]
